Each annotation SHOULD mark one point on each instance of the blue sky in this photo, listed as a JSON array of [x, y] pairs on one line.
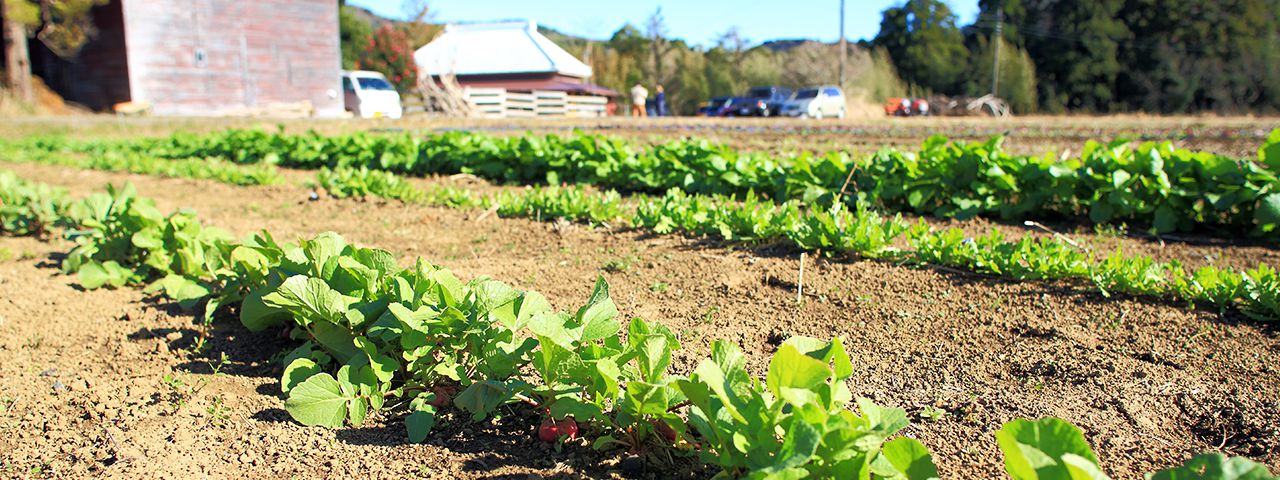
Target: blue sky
[[695, 21]]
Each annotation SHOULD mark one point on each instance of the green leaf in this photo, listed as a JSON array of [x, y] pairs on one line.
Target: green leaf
[[186, 291], [1034, 450], [1216, 466], [1268, 212], [148, 239], [310, 299], [298, 371], [257, 316], [95, 275], [794, 376], [1269, 154], [383, 367], [420, 423], [318, 401], [1166, 220], [598, 316], [798, 445], [480, 398], [336, 340], [910, 457], [92, 275], [1101, 211]]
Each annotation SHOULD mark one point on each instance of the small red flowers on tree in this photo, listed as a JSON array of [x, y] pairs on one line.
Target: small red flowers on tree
[[385, 55]]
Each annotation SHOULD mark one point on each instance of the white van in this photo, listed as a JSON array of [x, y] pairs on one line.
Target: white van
[[816, 102], [370, 95]]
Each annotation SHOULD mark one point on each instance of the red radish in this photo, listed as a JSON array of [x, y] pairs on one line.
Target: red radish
[[665, 430], [551, 430], [444, 395]]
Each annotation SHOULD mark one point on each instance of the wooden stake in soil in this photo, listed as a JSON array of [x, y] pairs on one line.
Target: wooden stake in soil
[[800, 281]]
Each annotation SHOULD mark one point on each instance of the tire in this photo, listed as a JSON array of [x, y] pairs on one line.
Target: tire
[[841, 114], [764, 113], [818, 115]]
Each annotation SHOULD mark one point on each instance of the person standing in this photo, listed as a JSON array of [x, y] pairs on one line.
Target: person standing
[[638, 96], [661, 100]]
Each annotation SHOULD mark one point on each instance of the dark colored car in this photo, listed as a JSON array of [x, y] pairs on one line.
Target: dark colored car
[[759, 102], [714, 106]]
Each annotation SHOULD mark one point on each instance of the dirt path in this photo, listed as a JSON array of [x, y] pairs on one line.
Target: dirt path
[[1149, 383]]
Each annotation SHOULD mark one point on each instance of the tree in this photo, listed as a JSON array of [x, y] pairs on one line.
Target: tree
[[1074, 44], [689, 87], [630, 46], [1016, 73], [353, 36], [659, 47], [389, 53], [418, 25], [1192, 56], [61, 25], [925, 45]]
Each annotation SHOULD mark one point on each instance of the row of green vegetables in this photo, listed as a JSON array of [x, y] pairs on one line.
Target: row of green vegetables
[[378, 339], [128, 161], [1256, 292], [1157, 185]]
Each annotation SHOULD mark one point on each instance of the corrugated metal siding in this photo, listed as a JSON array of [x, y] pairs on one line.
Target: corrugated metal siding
[[255, 53]]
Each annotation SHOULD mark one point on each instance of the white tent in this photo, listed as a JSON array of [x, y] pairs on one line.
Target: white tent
[[513, 47]]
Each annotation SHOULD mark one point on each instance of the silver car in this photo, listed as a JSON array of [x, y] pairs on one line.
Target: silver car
[[816, 102]]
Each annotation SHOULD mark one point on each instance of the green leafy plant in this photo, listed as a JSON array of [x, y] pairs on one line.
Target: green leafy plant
[[123, 239], [372, 331], [31, 208], [1048, 448], [1155, 185]]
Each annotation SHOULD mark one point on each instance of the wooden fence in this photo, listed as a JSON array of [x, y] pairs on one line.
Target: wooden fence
[[500, 103]]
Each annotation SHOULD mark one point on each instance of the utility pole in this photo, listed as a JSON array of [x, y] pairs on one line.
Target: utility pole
[[844, 46], [998, 38]]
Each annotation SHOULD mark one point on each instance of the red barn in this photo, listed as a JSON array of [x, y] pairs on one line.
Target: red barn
[[203, 57]]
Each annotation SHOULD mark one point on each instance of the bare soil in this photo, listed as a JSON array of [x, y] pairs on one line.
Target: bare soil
[[1033, 135], [1151, 383]]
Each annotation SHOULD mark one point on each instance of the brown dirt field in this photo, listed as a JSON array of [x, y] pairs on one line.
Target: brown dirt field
[[1236, 136], [1149, 382]]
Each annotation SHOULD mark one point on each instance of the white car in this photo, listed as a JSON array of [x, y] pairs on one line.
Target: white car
[[370, 95], [816, 102]]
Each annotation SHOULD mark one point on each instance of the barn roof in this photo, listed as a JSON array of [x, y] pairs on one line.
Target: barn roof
[[496, 48]]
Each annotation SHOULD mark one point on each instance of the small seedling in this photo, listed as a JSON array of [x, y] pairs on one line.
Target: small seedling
[[932, 413], [218, 412], [619, 264], [710, 314]]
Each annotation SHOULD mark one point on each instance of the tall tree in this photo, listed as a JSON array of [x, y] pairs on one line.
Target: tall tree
[[353, 36], [1075, 46], [1016, 73], [64, 26], [659, 47], [925, 45], [1190, 55]]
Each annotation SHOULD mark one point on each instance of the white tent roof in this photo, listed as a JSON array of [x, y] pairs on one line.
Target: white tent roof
[[495, 48]]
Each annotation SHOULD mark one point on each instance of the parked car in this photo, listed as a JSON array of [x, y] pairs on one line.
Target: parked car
[[714, 106], [760, 101], [729, 106], [816, 102], [370, 95]]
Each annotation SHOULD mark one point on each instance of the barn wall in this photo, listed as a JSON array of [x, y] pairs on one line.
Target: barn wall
[[210, 57]]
